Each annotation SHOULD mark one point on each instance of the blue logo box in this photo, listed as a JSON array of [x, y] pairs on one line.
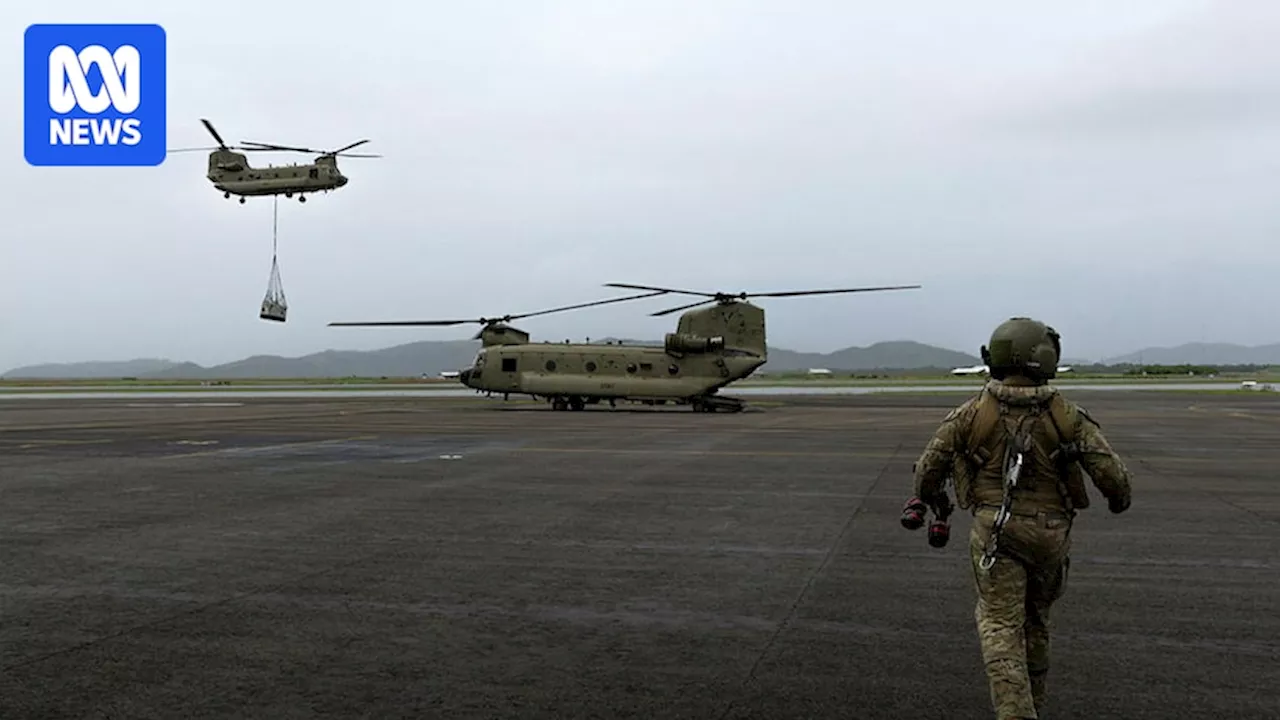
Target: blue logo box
[[94, 95]]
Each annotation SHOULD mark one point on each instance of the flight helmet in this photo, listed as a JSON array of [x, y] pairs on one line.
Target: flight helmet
[[1025, 347]]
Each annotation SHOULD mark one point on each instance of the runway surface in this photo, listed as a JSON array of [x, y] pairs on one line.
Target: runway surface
[[384, 558]]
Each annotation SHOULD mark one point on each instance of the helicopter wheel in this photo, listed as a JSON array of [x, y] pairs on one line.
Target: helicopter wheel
[[241, 201], [559, 404], [577, 403], [226, 195], [302, 198]]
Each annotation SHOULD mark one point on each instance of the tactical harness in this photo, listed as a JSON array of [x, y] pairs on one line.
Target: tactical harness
[[992, 413]]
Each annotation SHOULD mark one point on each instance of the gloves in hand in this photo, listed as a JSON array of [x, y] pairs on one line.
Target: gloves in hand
[[1118, 505]]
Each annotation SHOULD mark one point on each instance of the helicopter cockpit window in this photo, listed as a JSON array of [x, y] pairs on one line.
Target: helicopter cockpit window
[[479, 361], [313, 173]]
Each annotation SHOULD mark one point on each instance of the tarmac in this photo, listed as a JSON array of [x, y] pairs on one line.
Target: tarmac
[[354, 557]]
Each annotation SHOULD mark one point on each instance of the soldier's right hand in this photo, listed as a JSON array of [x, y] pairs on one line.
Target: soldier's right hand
[[1117, 504]]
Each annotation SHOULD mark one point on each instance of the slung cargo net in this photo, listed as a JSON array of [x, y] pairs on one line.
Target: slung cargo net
[[274, 305]]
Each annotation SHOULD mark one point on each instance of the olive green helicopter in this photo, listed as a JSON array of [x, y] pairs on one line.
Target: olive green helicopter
[[231, 172], [711, 348]]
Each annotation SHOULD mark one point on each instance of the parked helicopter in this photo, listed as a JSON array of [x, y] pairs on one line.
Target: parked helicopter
[[231, 172], [711, 348]]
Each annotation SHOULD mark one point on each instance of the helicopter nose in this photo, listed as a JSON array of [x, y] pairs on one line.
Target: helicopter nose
[[342, 180], [465, 377]]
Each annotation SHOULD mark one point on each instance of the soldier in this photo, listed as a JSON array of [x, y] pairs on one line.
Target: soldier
[[1015, 453]]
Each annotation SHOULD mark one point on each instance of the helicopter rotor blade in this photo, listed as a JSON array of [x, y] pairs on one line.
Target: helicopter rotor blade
[[630, 286], [209, 126], [493, 320], [348, 147], [401, 323], [795, 293], [582, 305], [288, 148], [668, 311], [358, 155], [195, 149]]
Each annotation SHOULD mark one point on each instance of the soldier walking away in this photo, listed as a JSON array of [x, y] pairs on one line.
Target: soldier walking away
[[1016, 453]]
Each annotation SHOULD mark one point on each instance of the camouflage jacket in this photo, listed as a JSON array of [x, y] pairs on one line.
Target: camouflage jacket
[[1045, 480]]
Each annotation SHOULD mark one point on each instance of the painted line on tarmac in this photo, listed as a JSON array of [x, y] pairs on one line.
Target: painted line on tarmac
[[723, 453], [268, 448]]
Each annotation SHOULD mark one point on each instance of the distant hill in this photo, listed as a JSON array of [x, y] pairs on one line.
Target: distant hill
[[141, 367], [1201, 354], [432, 357]]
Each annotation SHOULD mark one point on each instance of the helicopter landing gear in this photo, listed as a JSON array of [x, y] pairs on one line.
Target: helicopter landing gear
[[562, 403], [717, 403], [241, 201], [226, 195], [302, 198]]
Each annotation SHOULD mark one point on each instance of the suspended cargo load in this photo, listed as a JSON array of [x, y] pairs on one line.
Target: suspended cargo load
[[274, 305]]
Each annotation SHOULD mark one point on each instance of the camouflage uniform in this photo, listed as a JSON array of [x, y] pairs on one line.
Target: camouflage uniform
[[1030, 567]]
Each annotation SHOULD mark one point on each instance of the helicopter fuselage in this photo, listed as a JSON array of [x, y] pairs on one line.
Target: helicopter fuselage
[[583, 373], [233, 175]]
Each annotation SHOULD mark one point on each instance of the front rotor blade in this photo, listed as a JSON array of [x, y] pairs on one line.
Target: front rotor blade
[[794, 293], [209, 126], [668, 311], [629, 286], [197, 149], [584, 305], [402, 323], [272, 146], [358, 155]]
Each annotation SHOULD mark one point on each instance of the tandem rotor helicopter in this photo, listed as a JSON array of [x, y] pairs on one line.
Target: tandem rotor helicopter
[[711, 348], [231, 172]]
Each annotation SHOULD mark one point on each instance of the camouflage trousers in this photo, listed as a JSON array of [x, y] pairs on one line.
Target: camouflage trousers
[[1014, 599]]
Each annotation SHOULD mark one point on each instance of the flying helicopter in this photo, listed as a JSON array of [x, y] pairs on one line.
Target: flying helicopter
[[231, 172], [711, 348]]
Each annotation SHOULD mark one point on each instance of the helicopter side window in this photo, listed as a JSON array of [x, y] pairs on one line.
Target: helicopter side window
[[646, 366], [674, 369], [631, 367], [591, 366], [551, 366], [508, 364]]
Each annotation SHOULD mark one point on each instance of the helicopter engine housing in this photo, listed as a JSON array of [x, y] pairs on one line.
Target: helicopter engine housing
[[677, 343]]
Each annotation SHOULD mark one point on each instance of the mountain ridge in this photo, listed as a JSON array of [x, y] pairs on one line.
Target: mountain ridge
[[430, 357]]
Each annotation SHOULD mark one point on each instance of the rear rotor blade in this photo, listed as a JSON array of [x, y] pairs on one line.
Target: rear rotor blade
[[358, 155], [629, 286], [402, 323], [668, 311], [583, 305], [196, 149], [794, 293], [489, 321]]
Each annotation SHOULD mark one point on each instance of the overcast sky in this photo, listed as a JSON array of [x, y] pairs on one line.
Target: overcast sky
[[1110, 168]]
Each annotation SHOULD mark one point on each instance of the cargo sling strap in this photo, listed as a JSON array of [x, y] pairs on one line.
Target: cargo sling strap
[[1017, 443]]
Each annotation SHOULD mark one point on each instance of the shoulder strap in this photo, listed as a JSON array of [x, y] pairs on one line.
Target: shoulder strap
[[1063, 419], [984, 424]]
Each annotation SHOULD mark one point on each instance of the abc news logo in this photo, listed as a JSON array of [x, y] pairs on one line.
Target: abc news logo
[[69, 89], [94, 95]]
